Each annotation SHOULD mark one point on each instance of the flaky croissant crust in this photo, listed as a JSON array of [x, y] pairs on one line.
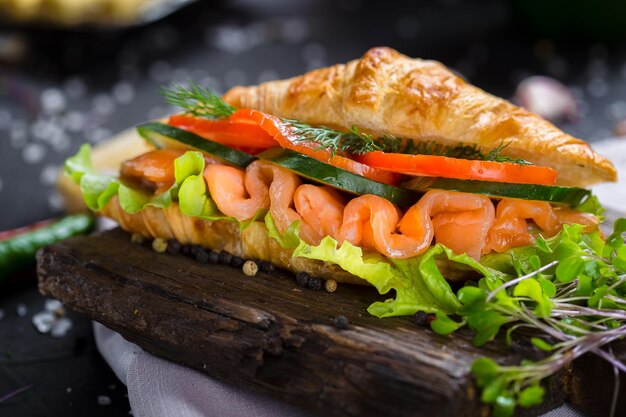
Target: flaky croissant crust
[[386, 92], [254, 242]]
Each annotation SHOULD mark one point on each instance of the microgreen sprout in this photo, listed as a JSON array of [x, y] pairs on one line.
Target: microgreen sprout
[[568, 294]]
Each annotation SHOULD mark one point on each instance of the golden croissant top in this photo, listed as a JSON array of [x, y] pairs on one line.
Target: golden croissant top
[[386, 92]]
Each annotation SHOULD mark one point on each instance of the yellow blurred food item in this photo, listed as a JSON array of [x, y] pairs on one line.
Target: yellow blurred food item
[[76, 12]]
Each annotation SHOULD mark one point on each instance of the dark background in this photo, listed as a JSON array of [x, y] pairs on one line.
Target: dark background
[[63, 87]]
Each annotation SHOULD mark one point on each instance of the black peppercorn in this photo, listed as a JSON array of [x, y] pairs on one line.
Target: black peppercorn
[[214, 257], [202, 256], [173, 246], [341, 322], [186, 249], [315, 283], [267, 266], [302, 279], [195, 248], [422, 318], [225, 257], [236, 262]]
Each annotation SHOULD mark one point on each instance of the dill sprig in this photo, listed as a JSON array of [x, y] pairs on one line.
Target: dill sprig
[[198, 101], [494, 155], [352, 142], [462, 151]]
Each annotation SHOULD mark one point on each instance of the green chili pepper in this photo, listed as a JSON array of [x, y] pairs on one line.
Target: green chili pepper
[[18, 252]]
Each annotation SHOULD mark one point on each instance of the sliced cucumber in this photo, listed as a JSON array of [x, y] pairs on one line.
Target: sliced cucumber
[[159, 134], [552, 193], [336, 177]]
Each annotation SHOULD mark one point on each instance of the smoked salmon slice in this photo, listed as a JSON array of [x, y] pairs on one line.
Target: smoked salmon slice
[[321, 210], [460, 221], [154, 167], [511, 228]]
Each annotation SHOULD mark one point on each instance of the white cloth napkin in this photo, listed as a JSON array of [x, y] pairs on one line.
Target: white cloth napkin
[[158, 388], [613, 195]]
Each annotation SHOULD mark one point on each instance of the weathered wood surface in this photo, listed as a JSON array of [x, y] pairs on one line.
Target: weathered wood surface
[[266, 334]]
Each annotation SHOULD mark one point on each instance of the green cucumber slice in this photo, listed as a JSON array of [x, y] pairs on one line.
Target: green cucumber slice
[[336, 177], [551, 193], [159, 133]]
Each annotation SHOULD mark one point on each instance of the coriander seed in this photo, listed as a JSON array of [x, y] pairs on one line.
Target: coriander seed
[[137, 238], [330, 285], [159, 245], [250, 268]]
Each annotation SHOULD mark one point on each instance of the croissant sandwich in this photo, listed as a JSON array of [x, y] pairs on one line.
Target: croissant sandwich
[[387, 171]]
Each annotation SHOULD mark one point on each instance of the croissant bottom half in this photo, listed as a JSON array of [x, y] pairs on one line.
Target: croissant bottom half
[[254, 242]]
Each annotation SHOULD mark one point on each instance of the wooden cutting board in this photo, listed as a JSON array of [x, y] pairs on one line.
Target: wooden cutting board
[[268, 335]]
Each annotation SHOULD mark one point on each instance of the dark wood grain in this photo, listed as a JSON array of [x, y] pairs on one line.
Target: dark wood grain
[[266, 334]]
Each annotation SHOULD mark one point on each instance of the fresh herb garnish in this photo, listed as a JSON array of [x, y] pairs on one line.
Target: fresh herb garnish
[[198, 101], [430, 147], [567, 292], [352, 142], [204, 102]]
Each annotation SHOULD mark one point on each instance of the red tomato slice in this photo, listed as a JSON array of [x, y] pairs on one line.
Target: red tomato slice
[[282, 133], [443, 166], [239, 134]]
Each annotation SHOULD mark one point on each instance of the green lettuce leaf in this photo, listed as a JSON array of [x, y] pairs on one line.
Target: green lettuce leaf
[[189, 188]]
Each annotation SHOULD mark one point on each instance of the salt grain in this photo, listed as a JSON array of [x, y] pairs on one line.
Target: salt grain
[[74, 121], [44, 321], [61, 327], [33, 153], [52, 305], [17, 134], [22, 310], [229, 38], [123, 92], [60, 142], [49, 174], [616, 110], [104, 400], [103, 104], [55, 201], [52, 101]]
